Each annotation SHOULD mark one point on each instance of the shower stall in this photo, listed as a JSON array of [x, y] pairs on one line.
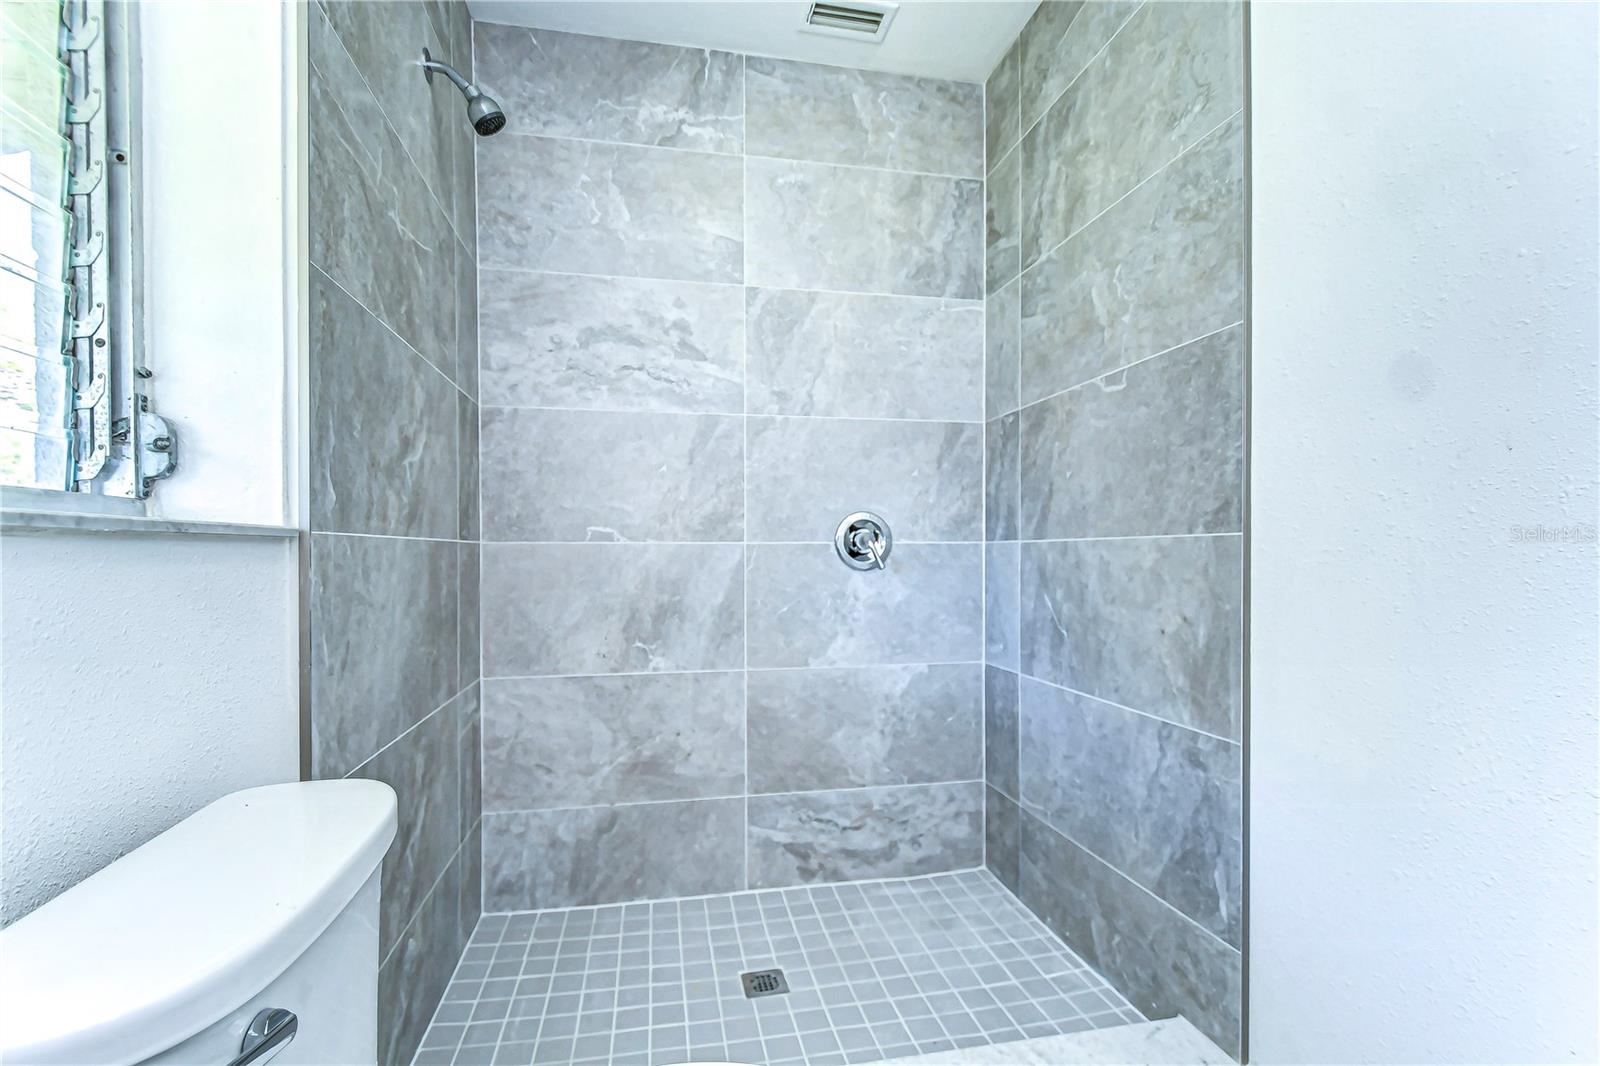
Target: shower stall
[[778, 526]]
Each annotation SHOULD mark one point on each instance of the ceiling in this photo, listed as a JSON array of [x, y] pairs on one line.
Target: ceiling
[[958, 39]]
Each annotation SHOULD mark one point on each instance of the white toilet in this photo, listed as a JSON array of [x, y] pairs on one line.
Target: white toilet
[[246, 933]]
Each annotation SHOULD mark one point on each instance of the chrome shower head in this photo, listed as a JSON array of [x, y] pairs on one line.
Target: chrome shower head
[[485, 114], [483, 110]]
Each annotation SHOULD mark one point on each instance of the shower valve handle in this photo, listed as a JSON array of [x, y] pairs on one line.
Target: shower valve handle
[[863, 541]]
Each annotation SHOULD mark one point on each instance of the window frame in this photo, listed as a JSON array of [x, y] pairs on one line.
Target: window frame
[[116, 458], [217, 92]]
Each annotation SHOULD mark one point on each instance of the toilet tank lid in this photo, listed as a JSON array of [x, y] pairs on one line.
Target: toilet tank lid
[[175, 934]]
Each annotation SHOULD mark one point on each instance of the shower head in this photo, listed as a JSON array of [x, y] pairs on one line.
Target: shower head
[[485, 114], [483, 110]]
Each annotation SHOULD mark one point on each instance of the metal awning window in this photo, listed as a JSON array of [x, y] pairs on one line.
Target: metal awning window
[[75, 411]]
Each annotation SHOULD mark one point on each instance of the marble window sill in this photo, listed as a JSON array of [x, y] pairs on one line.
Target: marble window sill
[[19, 520]]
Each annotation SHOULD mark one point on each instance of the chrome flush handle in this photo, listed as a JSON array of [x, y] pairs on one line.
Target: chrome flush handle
[[270, 1032]]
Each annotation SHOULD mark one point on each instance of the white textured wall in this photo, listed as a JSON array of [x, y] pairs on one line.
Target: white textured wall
[[1423, 804], [143, 676], [140, 678]]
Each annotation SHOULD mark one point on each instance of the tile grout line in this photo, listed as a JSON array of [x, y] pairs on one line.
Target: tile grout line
[[1183, 153], [930, 951], [1129, 536], [869, 168], [1040, 929], [742, 153], [407, 731], [650, 986], [449, 215], [992, 167], [454, 972], [1017, 385], [1056, 99], [433, 1018], [455, 633], [505, 1023], [903, 879], [727, 670], [650, 993], [723, 799], [1130, 710], [387, 328], [683, 543], [810, 969], [1003, 1007], [983, 524], [922, 941], [683, 978], [827, 938], [527, 951], [1114, 869], [426, 896], [722, 1018], [477, 385], [1120, 706], [953, 303], [731, 414], [544, 1008], [388, 536], [1002, 792], [744, 576], [1016, 841], [1017, 395], [1018, 392], [1098, 378]]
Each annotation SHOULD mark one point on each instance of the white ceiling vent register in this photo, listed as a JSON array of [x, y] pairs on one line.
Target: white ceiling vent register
[[859, 21]]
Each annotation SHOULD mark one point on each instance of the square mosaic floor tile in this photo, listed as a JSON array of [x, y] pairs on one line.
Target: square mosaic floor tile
[[875, 971]]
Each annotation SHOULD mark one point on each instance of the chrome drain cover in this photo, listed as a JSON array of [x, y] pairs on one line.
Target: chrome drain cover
[[763, 983]]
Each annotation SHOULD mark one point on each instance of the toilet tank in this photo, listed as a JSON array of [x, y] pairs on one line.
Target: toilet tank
[[267, 898]]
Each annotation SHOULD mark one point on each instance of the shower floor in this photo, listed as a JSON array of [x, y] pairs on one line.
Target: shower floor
[[875, 971]]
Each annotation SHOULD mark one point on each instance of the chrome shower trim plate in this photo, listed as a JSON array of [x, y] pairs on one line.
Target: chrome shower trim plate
[[863, 541]]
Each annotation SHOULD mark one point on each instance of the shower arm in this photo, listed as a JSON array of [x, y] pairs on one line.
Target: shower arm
[[432, 66], [483, 110]]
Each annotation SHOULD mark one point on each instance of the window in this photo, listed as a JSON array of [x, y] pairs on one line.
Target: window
[[75, 404]]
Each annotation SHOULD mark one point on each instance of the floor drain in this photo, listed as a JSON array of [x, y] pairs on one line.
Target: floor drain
[[764, 983]]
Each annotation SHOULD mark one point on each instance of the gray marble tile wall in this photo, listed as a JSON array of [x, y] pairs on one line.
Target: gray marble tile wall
[[725, 302], [394, 553], [1114, 284]]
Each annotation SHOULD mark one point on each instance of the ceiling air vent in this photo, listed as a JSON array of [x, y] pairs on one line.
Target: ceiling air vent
[[858, 21]]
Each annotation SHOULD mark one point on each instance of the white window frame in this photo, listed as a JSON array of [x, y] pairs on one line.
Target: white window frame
[[218, 91]]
